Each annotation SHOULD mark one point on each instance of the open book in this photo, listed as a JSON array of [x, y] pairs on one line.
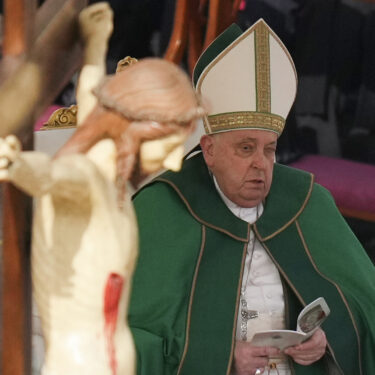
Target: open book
[[309, 320]]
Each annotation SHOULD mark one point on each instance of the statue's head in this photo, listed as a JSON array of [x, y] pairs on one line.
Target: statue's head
[[148, 109], [158, 100]]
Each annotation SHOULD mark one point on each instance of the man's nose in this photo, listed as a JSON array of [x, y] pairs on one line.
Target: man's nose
[[258, 160]]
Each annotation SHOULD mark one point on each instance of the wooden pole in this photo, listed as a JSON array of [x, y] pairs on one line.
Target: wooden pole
[[18, 26], [52, 60], [16, 295], [39, 59], [19, 18]]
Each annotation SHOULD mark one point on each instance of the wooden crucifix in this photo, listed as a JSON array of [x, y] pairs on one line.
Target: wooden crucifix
[[41, 51]]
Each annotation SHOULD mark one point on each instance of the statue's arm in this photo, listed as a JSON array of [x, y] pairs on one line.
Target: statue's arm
[[37, 174], [27, 170], [95, 25]]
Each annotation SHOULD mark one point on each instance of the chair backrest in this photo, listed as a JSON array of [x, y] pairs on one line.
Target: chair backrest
[[196, 24]]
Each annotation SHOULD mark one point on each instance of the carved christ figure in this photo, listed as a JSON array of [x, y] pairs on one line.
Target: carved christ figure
[[84, 231]]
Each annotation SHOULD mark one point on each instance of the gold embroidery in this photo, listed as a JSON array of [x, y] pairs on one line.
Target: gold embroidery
[[262, 68], [294, 218], [244, 252], [344, 300], [240, 120], [187, 332], [198, 218]]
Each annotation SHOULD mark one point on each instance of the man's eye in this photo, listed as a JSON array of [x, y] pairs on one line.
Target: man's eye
[[271, 150], [246, 148]]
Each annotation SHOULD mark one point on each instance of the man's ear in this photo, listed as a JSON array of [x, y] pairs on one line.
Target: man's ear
[[207, 146]]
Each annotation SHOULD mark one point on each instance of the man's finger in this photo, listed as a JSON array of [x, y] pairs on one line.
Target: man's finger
[[265, 351]]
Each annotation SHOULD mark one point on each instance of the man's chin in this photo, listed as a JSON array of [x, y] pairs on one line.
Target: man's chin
[[250, 203], [251, 200]]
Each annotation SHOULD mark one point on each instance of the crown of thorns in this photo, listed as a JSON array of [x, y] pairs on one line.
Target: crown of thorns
[[112, 103]]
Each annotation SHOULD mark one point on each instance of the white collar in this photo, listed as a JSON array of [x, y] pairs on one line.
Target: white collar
[[248, 214]]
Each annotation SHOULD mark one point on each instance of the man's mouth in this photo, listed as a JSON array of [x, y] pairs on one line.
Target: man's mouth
[[258, 182]]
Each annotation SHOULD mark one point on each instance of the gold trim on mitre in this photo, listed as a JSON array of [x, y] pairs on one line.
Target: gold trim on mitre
[[244, 120], [258, 98], [262, 68]]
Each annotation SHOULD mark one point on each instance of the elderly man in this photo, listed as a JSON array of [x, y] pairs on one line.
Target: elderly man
[[234, 243]]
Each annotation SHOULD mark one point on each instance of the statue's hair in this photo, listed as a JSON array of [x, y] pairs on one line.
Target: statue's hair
[[151, 89]]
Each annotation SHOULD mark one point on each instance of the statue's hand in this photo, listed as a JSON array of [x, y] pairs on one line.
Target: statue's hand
[[10, 148], [96, 21]]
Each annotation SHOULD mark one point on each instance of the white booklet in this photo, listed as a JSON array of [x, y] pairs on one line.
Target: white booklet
[[309, 320]]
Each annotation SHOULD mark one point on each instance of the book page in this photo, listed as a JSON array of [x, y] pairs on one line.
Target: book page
[[312, 316], [309, 320], [281, 339]]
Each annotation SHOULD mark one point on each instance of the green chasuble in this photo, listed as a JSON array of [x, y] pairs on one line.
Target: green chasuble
[[184, 304]]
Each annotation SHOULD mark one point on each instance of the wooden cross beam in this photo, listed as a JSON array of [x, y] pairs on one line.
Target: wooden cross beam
[[41, 51], [41, 74]]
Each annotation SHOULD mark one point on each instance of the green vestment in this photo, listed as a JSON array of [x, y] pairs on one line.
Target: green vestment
[[184, 304]]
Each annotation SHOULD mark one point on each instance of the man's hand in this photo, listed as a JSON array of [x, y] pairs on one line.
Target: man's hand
[[10, 148], [310, 351], [248, 358]]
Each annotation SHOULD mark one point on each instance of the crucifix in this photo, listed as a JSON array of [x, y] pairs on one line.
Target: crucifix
[[41, 51]]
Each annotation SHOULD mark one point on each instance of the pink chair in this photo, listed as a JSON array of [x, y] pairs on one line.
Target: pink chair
[[351, 183]]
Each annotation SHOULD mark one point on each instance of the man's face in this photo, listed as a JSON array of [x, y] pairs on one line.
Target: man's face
[[242, 162]]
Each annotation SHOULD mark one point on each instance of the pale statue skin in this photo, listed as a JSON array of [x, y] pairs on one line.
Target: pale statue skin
[[84, 243], [242, 162]]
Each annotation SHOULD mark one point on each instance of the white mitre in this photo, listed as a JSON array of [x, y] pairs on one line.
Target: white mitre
[[248, 79]]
